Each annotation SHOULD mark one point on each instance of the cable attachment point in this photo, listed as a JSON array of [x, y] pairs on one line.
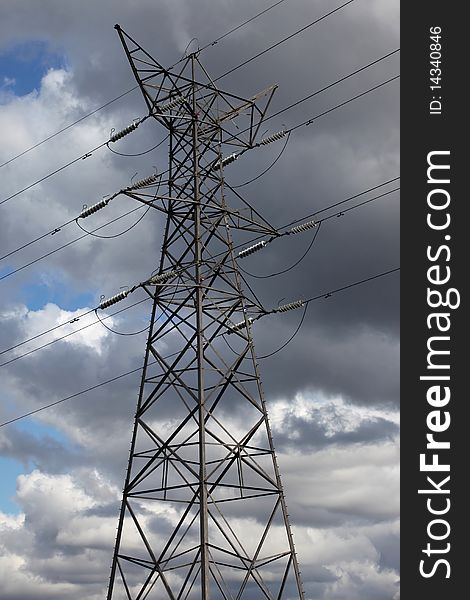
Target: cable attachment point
[[172, 104], [113, 300], [161, 278], [303, 227], [226, 161], [129, 129], [252, 249], [144, 182], [290, 306], [273, 138], [90, 210], [239, 326]]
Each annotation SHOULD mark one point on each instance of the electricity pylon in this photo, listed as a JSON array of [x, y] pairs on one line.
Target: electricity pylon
[[203, 513]]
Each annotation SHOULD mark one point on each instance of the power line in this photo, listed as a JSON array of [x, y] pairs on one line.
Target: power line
[[100, 320], [299, 326], [84, 156], [69, 126], [297, 262], [81, 237], [127, 155], [233, 187], [115, 235], [59, 248], [41, 237], [103, 304], [317, 212], [98, 385], [216, 41], [351, 285], [123, 333], [317, 230], [93, 387], [109, 102], [34, 337], [75, 220], [231, 158], [302, 29], [325, 112], [342, 212], [132, 305], [330, 85], [70, 163]]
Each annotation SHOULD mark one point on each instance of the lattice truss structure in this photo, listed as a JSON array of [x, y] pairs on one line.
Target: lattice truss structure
[[203, 512]]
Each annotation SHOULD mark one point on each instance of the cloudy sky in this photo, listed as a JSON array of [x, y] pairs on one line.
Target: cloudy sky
[[332, 393]]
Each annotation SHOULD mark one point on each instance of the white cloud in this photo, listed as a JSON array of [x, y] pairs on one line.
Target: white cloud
[[34, 322], [333, 414]]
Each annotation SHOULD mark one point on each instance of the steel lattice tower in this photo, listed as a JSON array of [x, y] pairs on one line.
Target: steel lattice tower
[[203, 513]]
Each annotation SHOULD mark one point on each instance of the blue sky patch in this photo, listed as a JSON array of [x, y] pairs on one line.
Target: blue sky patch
[[10, 470], [23, 66], [5, 270], [37, 295], [41, 430]]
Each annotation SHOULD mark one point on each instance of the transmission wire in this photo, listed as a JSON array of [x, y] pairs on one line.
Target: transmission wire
[[319, 223], [63, 336], [241, 275], [70, 163], [136, 87], [327, 295], [302, 29], [81, 237], [119, 332], [309, 247], [289, 131], [235, 247], [290, 339], [324, 295], [325, 112], [116, 235], [216, 79], [138, 153], [235, 187]]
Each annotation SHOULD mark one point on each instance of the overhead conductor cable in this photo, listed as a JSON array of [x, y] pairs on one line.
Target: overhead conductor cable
[[260, 245], [155, 280]]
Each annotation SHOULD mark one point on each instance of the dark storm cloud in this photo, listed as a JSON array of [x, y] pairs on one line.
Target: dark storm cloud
[[309, 435], [44, 453], [331, 363]]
